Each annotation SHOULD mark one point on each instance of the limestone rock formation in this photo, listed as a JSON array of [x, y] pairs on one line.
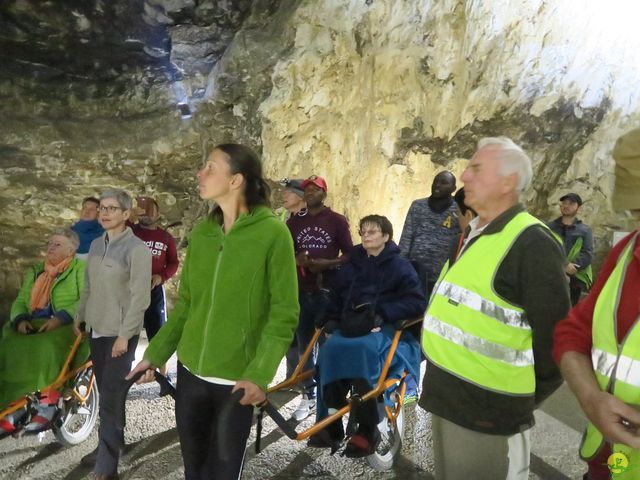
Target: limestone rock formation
[[375, 95], [378, 96]]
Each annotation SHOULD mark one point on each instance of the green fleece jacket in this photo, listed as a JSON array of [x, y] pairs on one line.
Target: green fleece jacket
[[237, 306], [65, 292]]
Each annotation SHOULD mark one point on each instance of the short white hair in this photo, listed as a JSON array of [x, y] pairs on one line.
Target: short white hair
[[70, 235], [512, 160]]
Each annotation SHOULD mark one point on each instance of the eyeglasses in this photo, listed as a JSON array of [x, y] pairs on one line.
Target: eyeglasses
[[110, 209], [313, 177], [369, 232]]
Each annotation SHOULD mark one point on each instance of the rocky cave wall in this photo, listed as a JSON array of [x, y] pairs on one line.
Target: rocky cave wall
[[377, 96]]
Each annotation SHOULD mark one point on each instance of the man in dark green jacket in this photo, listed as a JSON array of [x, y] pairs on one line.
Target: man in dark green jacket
[[577, 240]]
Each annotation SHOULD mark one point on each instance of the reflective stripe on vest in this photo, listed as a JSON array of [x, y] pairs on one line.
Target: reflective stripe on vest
[[470, 299], [478, 345], [473, 333], [627, 369], [617, 367]]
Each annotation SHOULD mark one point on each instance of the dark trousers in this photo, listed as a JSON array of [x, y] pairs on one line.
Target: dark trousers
[[335, 396], [575, 294], [576, 287], [313, 307], [110, 373], [428, 284], [198, 406], [156, 315]]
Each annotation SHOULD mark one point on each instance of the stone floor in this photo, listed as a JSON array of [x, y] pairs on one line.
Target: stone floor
[[153, 451]]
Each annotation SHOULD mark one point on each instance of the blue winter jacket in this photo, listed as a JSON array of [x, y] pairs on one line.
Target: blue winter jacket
[[88, 231], [388, 276]]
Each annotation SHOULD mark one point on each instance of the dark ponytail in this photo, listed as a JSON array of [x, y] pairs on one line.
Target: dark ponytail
[[246, 162]]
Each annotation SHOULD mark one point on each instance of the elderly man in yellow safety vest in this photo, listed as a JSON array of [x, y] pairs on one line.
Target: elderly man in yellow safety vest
[[487, 331], [598, 344]]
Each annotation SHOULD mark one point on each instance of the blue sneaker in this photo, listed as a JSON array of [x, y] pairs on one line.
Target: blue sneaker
[[411, 393]]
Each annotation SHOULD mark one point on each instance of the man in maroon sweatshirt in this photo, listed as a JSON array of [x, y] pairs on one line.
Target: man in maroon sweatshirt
[[164, 262], [321, 241]]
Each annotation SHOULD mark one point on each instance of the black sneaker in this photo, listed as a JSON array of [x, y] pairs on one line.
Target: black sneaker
[[89, 460], [329, 437]]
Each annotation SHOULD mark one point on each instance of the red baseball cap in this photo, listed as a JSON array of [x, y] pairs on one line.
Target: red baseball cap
[[316, 180]]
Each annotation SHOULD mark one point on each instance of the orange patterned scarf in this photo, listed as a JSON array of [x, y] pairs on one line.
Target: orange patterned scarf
[[41, 290]]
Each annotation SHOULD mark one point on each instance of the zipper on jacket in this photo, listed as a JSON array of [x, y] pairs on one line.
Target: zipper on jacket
[[213, 297], [106, 247]]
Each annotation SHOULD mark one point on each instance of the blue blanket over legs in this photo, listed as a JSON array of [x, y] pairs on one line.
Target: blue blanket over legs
[[363, 357]]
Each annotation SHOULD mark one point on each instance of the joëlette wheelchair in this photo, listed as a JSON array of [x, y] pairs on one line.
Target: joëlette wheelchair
[[390, 392], [73, 396], [83, 402]]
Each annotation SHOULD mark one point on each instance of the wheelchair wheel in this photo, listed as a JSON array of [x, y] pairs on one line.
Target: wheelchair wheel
[[390, 442], [77, 422]]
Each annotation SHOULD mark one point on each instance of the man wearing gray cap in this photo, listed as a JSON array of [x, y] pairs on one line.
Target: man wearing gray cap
[[578, 245], [292, 203], [292, 199]]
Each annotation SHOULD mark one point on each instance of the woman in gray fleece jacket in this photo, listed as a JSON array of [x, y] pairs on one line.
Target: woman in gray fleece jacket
[[116, 294]]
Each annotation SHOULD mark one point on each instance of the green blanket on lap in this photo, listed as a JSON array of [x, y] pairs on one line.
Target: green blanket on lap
[[31, 362]]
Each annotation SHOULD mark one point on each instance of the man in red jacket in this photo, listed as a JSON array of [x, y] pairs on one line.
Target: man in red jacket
[[164, 262], [598, 345]]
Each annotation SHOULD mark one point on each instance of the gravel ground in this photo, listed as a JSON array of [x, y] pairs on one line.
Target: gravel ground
[[152, 450]]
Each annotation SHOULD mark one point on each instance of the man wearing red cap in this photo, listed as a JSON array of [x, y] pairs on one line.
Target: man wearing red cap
[[321, 240]]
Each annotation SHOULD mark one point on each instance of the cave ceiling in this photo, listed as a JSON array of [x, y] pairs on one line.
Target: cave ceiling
[[114, 43]]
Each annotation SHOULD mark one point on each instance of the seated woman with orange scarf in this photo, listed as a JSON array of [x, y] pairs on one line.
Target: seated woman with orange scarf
[[37, 340]]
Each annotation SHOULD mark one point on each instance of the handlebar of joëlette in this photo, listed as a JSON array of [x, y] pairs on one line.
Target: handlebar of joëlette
[[166, 387]]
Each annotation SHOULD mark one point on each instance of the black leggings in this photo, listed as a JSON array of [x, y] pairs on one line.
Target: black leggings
[[198, 406]]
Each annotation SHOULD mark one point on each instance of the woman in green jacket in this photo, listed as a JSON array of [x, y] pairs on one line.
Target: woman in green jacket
[[36, 342], [235, 315]]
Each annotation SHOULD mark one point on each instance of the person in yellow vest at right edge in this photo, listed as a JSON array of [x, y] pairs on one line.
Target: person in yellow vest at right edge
[[598, 345], [487, 333]]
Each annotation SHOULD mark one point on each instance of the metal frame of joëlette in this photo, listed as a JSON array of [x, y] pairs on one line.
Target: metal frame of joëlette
[[382, 385], [64, 376]]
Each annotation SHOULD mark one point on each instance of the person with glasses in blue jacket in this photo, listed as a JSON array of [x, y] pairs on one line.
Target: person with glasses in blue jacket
[[376, 277]]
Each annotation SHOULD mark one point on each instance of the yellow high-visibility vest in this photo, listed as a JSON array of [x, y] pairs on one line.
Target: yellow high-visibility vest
[[616, 366], [473, 333]]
